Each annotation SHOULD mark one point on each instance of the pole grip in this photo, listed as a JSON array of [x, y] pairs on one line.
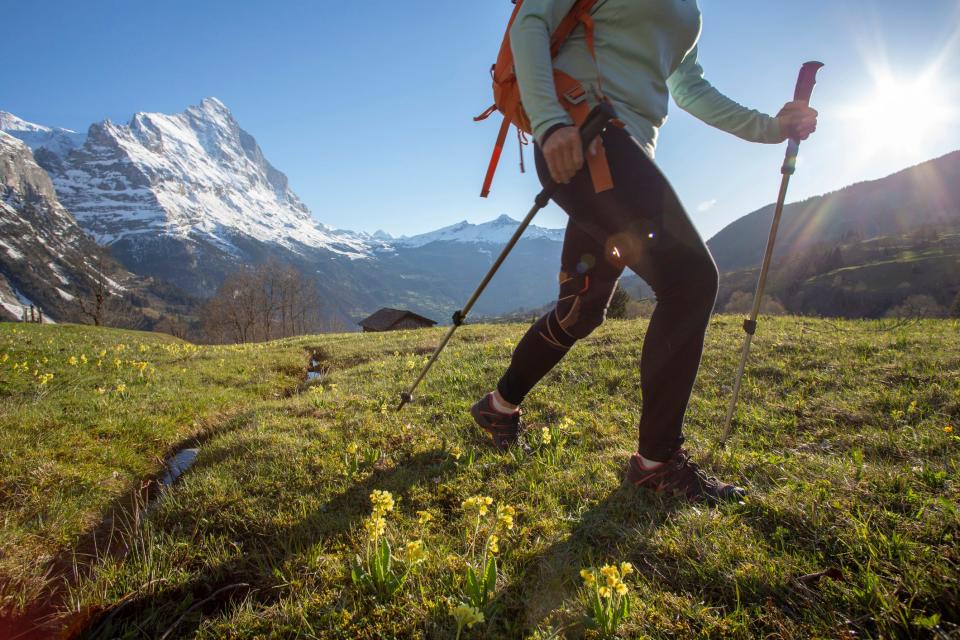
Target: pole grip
[[802, 93], [806, 81], [598, 120]]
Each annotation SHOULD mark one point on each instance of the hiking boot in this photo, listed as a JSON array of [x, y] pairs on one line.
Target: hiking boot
[[681, 477], [504, 428]]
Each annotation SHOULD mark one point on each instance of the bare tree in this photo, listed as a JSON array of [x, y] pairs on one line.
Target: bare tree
[[93, 305], [271, 301]]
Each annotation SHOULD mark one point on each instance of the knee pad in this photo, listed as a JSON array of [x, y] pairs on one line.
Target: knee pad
[[582, 306]]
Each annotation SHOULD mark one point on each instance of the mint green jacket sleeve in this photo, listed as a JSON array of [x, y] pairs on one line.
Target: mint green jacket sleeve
[[696, 96], [530, 42]]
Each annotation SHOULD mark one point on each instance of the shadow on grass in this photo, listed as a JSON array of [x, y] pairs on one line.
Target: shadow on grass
[[181, 608], [552, 575]]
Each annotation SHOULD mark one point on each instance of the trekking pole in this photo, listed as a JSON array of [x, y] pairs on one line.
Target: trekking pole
[[805, 83], [593, 126]]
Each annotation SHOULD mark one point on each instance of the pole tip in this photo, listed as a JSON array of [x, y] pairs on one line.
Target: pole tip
[[405, 399]]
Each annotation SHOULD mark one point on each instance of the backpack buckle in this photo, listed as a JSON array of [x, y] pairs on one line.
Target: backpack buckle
[[575, 96]]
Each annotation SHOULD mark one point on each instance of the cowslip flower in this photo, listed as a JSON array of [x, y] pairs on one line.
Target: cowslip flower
[[948, 429], [465, 615], [352, 448], [588, 578], [480, 503], [545, 435], [121, 388], [424, 517], [505, 517], [383, 502], [456, 452], [415, 552], [493, 544], [375, 526]]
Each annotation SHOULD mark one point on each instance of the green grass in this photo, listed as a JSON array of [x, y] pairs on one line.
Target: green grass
[[842, 443]]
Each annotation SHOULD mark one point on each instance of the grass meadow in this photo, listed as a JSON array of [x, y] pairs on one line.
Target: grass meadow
[[314, 510]]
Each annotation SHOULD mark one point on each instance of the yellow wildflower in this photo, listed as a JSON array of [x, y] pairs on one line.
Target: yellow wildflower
[[375, 526], [948, 429], [626, 569], [605, 592], [383, 502], [415, 552], [352, 448], [465, 615], [121, 387], [83, 359], [72, 361], [621, 589], [456, 452], [610, 571], [493, 544], [588, 578], [546, 437], [480, 503], [424, 517]]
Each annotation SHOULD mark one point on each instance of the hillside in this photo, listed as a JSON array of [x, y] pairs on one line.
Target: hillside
[[860, 278], [846, 441], [921, 197]]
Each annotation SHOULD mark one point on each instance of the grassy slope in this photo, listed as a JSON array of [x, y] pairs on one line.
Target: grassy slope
[[842, 445]]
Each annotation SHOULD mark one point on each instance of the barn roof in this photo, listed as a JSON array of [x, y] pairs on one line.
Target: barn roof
[[386, 318]]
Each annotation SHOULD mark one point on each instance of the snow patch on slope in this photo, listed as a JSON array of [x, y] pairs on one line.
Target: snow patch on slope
[[196, 175], [59, 141]]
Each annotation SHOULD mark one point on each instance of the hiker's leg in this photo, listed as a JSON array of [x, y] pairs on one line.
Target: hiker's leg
[[663, 247], [587, 282]]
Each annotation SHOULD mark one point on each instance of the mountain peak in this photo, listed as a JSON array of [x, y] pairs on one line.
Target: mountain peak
[[495, 232], [55, 139], [10, 123]]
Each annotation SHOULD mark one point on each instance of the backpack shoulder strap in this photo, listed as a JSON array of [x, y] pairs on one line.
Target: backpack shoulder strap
[[579, 14]]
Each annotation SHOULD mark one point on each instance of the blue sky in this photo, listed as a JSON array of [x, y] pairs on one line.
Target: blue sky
[[367, 107]]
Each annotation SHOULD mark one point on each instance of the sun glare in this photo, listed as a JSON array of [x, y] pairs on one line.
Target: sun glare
[[902, 115]]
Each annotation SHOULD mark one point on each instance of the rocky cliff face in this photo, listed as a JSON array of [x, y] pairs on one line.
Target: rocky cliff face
[[46, 260]]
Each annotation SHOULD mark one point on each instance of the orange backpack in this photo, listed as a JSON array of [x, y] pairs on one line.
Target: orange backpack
[[571, 94]]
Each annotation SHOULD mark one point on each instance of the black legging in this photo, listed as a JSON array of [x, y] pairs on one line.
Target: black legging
[[639, 224]]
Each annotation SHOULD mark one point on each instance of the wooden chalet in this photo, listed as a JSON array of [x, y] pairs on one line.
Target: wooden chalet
[[394, 320]]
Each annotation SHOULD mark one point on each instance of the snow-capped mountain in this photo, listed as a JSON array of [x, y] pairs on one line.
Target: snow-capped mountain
[[188, 175], [190, 198], [497, 232], [34, 135]]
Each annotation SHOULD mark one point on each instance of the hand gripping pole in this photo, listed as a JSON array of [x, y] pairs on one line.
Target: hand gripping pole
[[803, 92]]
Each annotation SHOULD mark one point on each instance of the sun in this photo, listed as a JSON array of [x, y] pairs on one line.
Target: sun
[[902, 116]]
